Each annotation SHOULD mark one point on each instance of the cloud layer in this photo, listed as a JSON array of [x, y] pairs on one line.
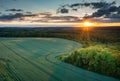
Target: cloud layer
[[104, 9], [104, 12], [37, 17], [15, 10]]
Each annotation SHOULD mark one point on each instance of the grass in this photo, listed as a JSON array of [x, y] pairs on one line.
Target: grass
[[98, 58], [28, 59], [4, 73]]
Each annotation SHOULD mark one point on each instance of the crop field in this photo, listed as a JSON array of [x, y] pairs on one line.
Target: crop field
[[35, 59]]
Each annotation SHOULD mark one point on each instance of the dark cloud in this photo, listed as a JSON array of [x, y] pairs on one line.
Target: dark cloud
[[93, 5], [38, 17], [21, 16], [46, 14], [11, 17], [76, 6], [15, 10], [28, 12], [104, 10], [110, 12], [62, 18], [62, 10]]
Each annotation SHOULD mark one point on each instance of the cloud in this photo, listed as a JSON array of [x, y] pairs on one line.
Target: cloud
[[62, 19], [19, 16], [109, 12], [22, 16], [38, 17], [10, 17], [15, 10], [94, 5], [46, 14], [104, 20], [28, 12], [62, 10], [102, 10]]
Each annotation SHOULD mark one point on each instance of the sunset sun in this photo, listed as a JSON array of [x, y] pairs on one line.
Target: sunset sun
[[88, 24]]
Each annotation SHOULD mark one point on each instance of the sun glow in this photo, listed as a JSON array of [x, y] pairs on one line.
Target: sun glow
[[88, 24]]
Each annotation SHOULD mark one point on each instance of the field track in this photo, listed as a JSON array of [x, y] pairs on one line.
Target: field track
[[34, 59]]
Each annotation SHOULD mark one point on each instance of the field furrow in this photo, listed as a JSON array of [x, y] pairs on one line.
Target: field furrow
[[35, 59]]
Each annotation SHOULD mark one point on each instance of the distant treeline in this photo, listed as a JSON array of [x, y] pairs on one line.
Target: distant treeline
[[99, 34]]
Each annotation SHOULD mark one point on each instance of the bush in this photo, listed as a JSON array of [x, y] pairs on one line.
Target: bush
[[96, 58]]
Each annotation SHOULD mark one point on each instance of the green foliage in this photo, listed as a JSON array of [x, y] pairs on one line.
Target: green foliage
[[96, 58], [100, 34]]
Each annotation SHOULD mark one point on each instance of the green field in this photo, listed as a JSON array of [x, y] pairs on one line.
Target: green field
[[35, 59]]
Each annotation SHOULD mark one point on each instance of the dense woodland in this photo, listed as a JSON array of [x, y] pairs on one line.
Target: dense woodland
[[101, 34]]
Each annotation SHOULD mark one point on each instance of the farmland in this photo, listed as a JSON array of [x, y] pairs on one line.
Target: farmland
[[35, 59]]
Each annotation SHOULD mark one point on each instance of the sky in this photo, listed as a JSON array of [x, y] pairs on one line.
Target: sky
[[39, 13]]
